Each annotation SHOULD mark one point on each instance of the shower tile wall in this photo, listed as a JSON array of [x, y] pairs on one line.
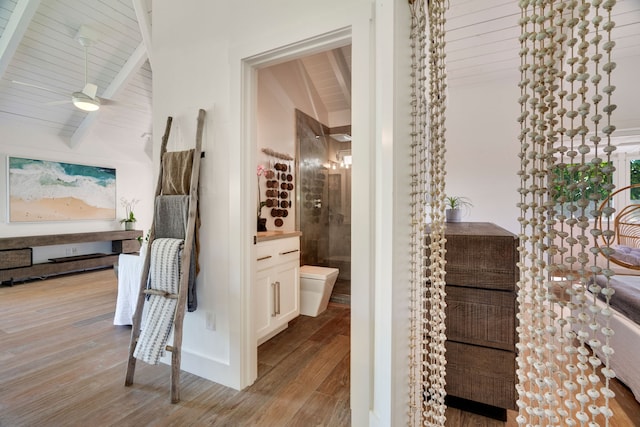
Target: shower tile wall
[[324, 198]]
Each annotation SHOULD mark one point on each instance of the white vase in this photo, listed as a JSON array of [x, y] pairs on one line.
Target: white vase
[[129, 225]]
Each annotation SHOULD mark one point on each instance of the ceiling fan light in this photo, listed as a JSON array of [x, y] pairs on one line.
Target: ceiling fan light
[[84, 102]]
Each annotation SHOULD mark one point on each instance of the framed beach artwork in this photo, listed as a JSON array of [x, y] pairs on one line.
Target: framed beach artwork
[[41, 190]]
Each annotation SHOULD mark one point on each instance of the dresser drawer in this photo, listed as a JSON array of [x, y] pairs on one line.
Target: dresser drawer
[[482, 317], [125, 246], [481, 374], [480, 255], [288, 250], [488, 262], [15, 258], [278, 251], [266, 255]]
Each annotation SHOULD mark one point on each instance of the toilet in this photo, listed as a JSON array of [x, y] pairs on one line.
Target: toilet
[[316, 284]]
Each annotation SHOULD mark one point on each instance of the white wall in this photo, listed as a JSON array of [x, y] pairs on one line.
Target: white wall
[[199, 50], [482, 147], [133, 176], [280, 92], [199, 47], [626, 117], [482, 139]]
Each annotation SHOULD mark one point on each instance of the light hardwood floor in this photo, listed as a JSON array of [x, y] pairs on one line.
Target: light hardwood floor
[[62, 363]]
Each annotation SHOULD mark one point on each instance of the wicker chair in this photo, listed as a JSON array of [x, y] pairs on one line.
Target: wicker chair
[[626, 226]]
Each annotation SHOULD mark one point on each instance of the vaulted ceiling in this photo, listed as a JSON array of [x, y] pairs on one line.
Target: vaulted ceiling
[[42, 62]]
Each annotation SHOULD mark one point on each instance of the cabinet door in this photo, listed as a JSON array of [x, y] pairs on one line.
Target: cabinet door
[[288, 298], [262, 304]]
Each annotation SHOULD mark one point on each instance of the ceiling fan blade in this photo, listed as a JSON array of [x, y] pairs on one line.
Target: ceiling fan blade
[[113, 102], [68, 101], [38, 87]]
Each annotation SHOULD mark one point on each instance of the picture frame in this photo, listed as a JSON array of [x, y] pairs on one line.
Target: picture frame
[[44, 190]]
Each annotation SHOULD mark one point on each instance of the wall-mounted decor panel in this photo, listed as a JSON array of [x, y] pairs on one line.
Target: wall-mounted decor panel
[[41, 190]]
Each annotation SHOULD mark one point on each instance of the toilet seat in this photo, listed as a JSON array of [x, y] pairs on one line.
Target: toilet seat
[[315, 272]]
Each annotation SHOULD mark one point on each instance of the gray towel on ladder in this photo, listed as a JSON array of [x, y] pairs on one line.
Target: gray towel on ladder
[[171, 218], [164, 275]]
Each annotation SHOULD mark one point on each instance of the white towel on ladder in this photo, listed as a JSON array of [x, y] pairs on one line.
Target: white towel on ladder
[[164, 275]]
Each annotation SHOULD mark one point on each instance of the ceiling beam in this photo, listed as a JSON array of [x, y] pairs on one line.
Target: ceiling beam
[[143, 14], [128, 71], [312, 91], [15, 29], [341, 70]]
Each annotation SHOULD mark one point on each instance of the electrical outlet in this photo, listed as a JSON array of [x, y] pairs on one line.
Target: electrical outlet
[[210, 320]]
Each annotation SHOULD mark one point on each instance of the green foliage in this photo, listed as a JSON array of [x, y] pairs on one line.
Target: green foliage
[[573, 182], [634, 176], [457, 202], [146, 237], [128, 208], [130, 218]]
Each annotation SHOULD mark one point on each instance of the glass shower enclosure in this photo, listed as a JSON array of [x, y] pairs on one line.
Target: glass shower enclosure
[[324, 196]]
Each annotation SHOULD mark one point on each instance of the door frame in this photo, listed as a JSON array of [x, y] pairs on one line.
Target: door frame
[[249, 69]]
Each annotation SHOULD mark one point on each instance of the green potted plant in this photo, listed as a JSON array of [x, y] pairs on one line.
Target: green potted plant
[[455, 206], [129, 220]]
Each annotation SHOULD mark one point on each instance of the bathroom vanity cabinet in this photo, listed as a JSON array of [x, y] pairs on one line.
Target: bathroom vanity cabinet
[[276, 293]]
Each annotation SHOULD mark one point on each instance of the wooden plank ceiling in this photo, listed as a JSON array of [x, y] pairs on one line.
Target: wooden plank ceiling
[[38, 46], [482, 37]]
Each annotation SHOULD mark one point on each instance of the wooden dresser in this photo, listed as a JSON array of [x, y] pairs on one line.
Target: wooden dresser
[[481, 309]]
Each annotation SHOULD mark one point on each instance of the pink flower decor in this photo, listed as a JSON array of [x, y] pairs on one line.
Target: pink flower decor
[[260, 171]]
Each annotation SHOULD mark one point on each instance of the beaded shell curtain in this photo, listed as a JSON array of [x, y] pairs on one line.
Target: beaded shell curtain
[[565, 102], [427, 356], [566, 130]]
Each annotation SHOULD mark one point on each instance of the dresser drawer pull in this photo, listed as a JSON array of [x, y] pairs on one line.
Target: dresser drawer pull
[[289, 252], [264, 257]]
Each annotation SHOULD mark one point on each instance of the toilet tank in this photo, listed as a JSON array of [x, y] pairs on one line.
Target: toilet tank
[[318, 273]]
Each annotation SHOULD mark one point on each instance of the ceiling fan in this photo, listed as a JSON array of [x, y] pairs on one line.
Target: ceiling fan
[[85, 99]]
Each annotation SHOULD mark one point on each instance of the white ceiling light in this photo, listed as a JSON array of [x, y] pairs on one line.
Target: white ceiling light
[[341, 137], [85, 102]]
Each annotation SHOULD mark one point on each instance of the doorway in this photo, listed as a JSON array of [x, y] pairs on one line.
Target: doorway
[[251, 67], [303, 113]]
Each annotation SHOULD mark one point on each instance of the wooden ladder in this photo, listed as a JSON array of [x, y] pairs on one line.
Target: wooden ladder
[[185, 261]]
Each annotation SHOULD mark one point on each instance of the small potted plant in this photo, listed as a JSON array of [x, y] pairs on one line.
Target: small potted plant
[[129, 220], [454, 207]]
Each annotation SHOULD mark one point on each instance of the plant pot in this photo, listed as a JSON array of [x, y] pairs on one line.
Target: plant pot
[[129, 225], [262, 224], [453, 215]]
